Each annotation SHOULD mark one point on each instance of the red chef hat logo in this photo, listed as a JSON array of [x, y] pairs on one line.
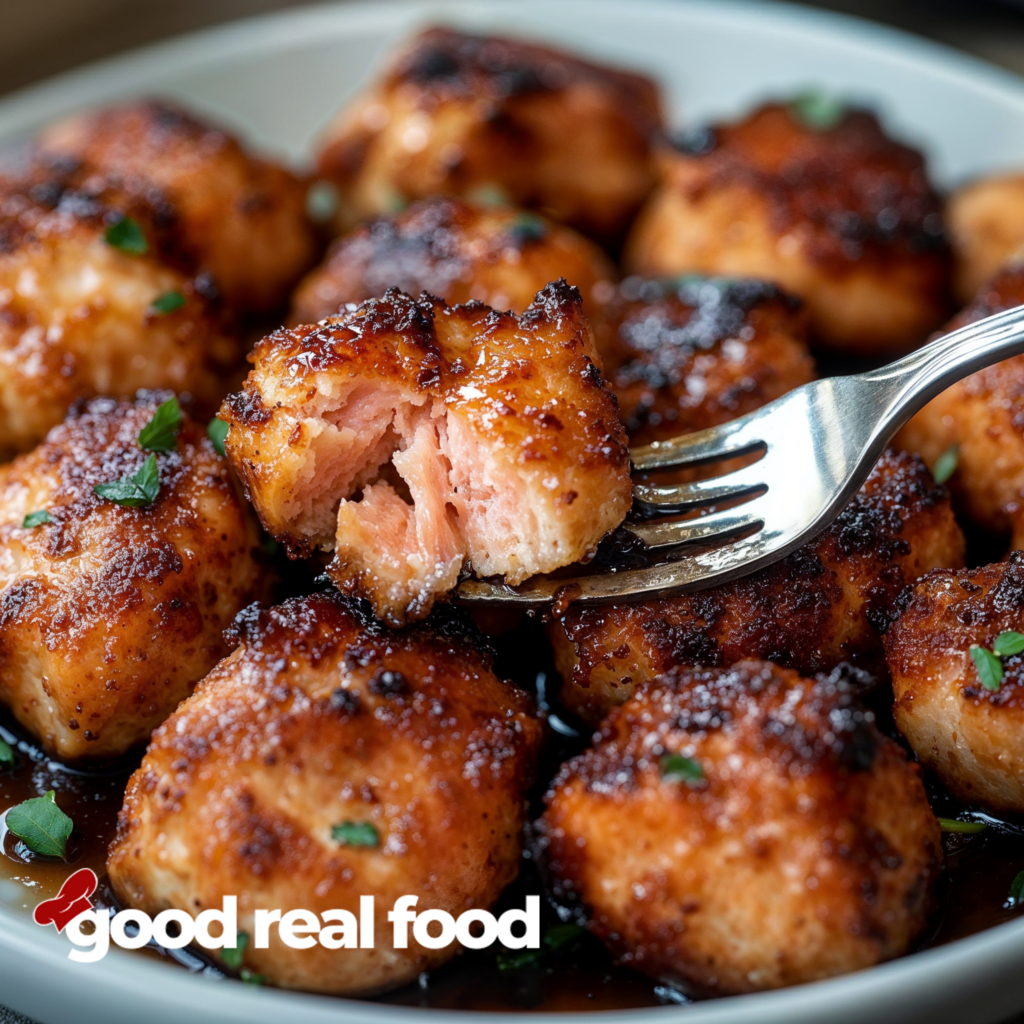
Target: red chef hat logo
[[72, 900]]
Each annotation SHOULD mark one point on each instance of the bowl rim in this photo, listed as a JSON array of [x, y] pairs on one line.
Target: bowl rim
[[33, 961]]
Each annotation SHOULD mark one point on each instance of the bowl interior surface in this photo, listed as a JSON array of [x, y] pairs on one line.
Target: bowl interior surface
[[278, 80]]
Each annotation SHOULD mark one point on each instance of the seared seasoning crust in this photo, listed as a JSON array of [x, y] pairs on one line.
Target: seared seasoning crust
[[823, 604], [109, 615], [842, 216], [241, 218], [686, 354], [806, 850], [323, 716], [411, 438], [458, 251], [972, 737], [76, 313], [497, 118], [986, 225], [983, 414]]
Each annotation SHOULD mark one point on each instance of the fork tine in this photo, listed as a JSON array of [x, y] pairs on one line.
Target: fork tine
[[701, 570], [680, 497], [702, 446], [657, 534]]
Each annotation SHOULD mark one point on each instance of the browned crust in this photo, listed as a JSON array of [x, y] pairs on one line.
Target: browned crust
[[505, 114], [690, 353], [821, 605], [241, 219], [983, 415], [845, 217], [808, 849], [456, 250], [322, 714], [109, 615]]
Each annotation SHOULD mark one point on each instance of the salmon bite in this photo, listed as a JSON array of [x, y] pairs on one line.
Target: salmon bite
[[416, 439]]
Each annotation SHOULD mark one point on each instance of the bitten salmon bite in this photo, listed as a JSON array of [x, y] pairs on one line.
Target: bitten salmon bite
[[416, 440]]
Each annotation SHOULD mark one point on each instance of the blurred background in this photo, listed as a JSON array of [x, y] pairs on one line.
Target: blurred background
[[43, 37]]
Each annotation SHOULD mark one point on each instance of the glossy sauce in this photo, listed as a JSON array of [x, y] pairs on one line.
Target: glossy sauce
[[579, 976]]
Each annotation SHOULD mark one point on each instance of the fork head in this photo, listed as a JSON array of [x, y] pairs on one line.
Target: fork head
[[816, 446]]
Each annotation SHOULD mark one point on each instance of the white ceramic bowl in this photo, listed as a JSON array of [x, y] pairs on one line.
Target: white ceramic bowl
[[279, 79]]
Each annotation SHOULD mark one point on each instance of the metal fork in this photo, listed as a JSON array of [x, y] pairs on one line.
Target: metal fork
[[819, 442]]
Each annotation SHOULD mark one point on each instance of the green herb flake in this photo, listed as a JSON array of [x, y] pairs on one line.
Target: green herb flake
[[127, 236], [945, 464], [167, 303], [676, 768], [528, 227], [136, 491], [251, 977], [217, 432], [1008, 642], [819, 111], [963, 828], [41, 825], [559, 935], [160, 434], [7, 757], [488, 194], [1017, 890], [34, 519], [233, 955], [508, 961], [355, 833], [270, 546], [990, 668]]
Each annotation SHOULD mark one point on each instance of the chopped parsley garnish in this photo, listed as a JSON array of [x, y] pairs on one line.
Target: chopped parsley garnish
[[528, 227], [945, 464], [217, 432], [270, 546], [251, 977], [558, 936], [819, 111], [34, 519], [126, 236], [488, 194], [1008, 642], [167, 303], [355, 833], [160, 434], [233, 955], [135, 491], [6, 755], [41, 825], [989, 667], [964, 828], [676, 768], [1017, 890]]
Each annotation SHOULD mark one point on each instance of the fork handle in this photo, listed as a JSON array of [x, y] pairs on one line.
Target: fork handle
[[911, 382]]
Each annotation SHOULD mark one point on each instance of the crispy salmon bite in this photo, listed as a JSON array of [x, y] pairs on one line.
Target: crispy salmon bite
[[459, 251], [741, 829], [94, 300], [980, 421], [326, 759], [414, 439], [986, 226], [242, 218], [832, 210], [822, 605], [111, 612], [684, 354], [966, 727], [493, 117]]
